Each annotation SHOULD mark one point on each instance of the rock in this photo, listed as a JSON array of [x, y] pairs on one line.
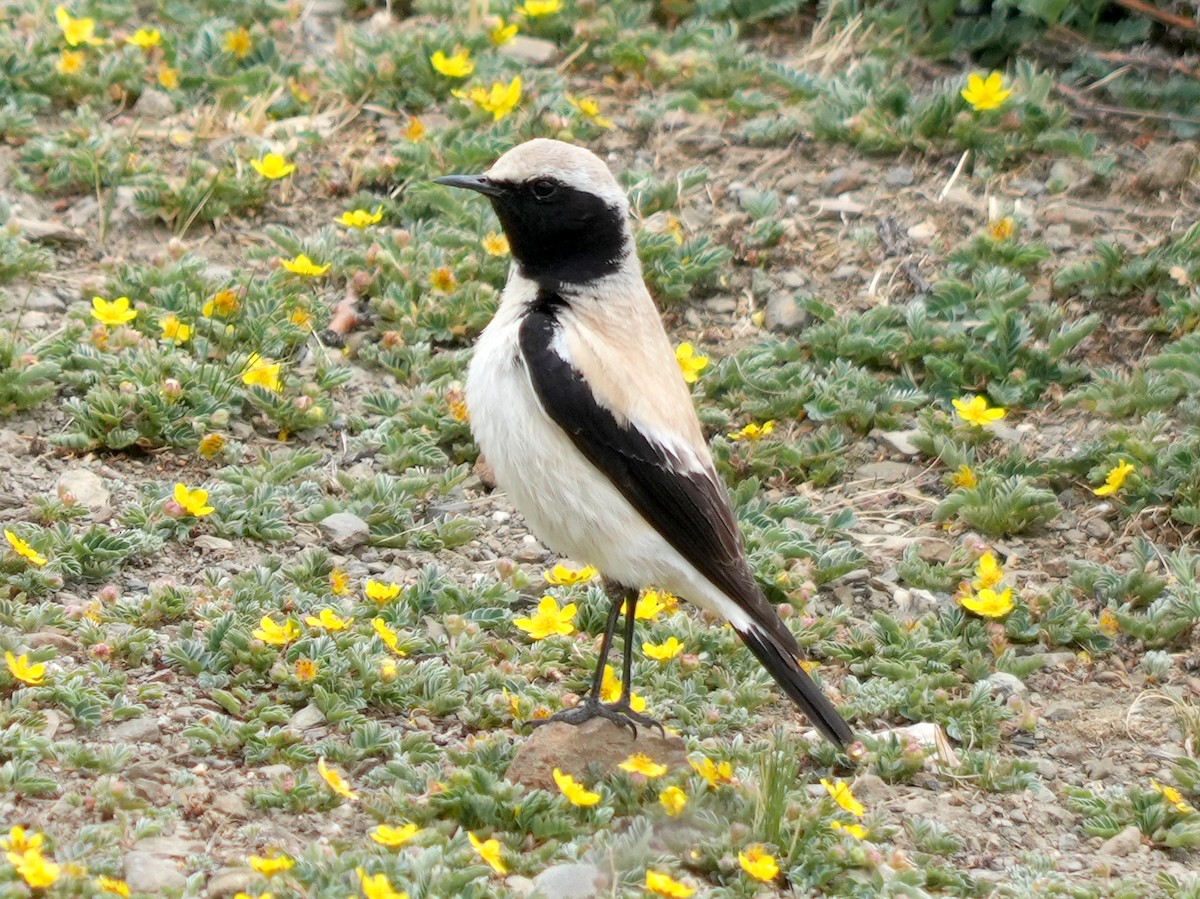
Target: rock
[[522, 886], [230, 804], [309, 716], [153, 874], [154, 104], [85, 486], [229, 882], [872, 789], [886, 472], [1004, 685], [1063, 176], [45, 301], [1101, 769], [1098, 528], [344, 530], [898, 176], [209, 543], [598, 743], [47, 232], [836, 207], [139, 730], [1047, 770], [900, 441], [784, 314], [1125, 843], [841, 180], [13, 444], [1170, 169], [916, 602], [169, 847], [569, 881], [533, 51]]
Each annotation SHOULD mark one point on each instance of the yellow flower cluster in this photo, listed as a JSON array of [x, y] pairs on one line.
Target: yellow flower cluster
[[981, 596]]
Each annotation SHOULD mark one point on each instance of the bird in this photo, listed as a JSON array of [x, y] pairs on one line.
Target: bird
[[577, 401]]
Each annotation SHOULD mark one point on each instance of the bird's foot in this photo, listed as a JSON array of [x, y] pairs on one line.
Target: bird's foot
[[617, 712]]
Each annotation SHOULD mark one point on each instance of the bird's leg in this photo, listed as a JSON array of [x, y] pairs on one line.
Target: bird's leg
[[623, 704]]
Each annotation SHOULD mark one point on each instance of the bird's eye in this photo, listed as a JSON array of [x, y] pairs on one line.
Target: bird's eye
[[544, 189]]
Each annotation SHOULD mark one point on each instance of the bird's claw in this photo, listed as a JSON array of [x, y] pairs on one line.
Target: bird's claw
[[617, 712]]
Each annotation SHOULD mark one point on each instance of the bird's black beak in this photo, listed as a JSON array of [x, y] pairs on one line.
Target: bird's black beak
[[478, 183]]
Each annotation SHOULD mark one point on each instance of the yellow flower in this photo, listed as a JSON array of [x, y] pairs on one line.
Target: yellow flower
[[649, 606], [840, 791], [36, 870], [674, 800], [390, 638], [988, 603], [112, 312], [360, 218], [1173, 796], [112, 884], [500, 99], [753, 431], [305, 267], [223, 303], [23, 549], [381, 592], [690, 363], [18, 839], [496, 244], [377, 886], [388, 671], [1109, 623], [758, 863], [610, 691], [306, 669], [976, 411], [536, 8], [273, 167], [489, 851], [442, 279], [328, 620], [168, 77], [1002, 229], [988, 572], [663, 652], [334, 779], [194, 502], [984, 94], [1115, 479], [855, 830], [394, 837], [661, 884], [174, 330], [76, 31], [562, 576], [244, 895], [238, 42], [502, 34], [145, 38], [70, 62], [964, 477], [575, 792], [339, 582], [276, 634], [23, 670], [457, 66], [715, 774], [211, 445], [458, 409], [260, 372], [414, 130], [549, 620], [590, 109], [640, 763], [272, 865]]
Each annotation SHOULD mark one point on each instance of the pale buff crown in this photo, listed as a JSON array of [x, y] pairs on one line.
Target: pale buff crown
[[573, 166]]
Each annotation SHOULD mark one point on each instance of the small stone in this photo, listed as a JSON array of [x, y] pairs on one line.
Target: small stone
[[1047, 770], [209, 543], [46, 301], [598, 743], [900, 441], [138, 730], [153, 874], [85, 486], [1125, 843], [916, 602], [1098, 528], [309, 716], [871, 789], [534, 51], [13, 444], [229, 804], [229, 882], [841, 180], [154, 104], [345, 530], [169, 847], [1004, 685], [836, 207], [522, 886], [886, 472], [898, 176], [1170, 169], [1101, 769], [568, 881], [784, 314], [1063, 176]]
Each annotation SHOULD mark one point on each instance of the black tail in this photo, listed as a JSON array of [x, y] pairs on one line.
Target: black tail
[[787, 672]]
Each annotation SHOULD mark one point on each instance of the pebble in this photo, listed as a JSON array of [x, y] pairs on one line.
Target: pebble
[[900, 441], [138, 730], [154, 104], [898, 176], [598, 744], [1100, 769], [569, 881], [12, 443], [1003, 684], [1170, 169], [230, 804], [229, 882], [886, 472], [784, 315], [842, 179], [86, 486], [210, 543], [309, 716], [1047, 770], [1127, 842], [46, 301], [153, 874], [344, 530], [533, 51]]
